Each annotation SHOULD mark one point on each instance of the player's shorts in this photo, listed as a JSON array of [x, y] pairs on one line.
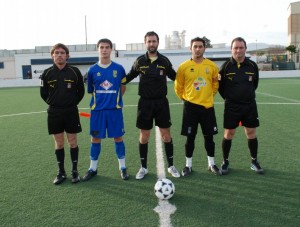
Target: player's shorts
[[245, 113], [63, 120], [153, 109], [193, 115], [107, 122]]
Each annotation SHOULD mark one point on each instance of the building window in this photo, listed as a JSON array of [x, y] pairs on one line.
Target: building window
[[1, 65]]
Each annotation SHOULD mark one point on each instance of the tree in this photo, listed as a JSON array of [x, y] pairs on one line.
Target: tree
[[207, 42], [292, 49]]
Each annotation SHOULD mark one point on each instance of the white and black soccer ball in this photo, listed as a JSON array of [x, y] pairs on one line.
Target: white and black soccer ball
[[164, 188]]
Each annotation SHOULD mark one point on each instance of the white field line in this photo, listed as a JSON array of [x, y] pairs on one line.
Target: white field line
[[278, 103], [280, 97], [160, 166], [164, 208], [293, 102], [18, 114]]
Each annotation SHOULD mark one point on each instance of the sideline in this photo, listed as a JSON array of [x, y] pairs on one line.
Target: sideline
[[164, 208], [280, 97], [18, 114], [292, 102]]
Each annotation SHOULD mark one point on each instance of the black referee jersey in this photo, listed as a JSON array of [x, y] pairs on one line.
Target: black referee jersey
[[238, 81], [153, 75], [62, 88]]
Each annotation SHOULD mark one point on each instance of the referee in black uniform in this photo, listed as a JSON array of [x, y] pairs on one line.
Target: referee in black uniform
[[238, 80], [62, 88], [153, 70]]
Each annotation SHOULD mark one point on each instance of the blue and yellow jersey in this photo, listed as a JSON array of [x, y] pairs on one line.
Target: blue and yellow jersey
[[197, 83], [105, 86]]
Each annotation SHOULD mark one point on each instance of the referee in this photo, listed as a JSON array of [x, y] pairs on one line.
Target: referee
[[153, 70], [62, 88], [238, 80]]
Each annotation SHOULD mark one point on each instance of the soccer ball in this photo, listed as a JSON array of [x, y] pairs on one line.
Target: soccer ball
[[164, 188]]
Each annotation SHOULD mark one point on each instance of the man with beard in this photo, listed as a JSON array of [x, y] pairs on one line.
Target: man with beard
[[196, 84], [153, 70]]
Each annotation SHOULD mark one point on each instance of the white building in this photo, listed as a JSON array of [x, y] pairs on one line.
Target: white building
[[16, 64]]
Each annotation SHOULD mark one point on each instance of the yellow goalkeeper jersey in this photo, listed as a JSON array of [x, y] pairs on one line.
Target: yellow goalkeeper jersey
[[197, 83]]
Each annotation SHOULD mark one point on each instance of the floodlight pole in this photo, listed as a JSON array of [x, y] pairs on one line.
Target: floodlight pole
[[85, 32], [256, 51]]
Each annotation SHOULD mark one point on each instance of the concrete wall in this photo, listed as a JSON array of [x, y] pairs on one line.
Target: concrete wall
[[8, 72], [23, 58], [14, 63], [40, 68]]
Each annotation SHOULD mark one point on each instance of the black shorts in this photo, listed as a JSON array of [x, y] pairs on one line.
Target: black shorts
[[245, 113], [195, 114], [60, 120], [153, 109]]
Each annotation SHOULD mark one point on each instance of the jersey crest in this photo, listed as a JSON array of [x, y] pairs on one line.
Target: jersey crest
[[198, 83], [115, 73]]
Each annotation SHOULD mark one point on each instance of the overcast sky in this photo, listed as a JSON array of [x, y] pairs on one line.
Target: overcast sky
[[31, 23]]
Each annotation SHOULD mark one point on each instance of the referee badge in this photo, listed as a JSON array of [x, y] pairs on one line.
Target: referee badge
[[69, 85], [161, 72], [250, 78]]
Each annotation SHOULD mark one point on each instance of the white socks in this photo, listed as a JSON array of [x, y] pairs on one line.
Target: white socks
[[122, 163], [188, 162], [211, 161], [93, 165]]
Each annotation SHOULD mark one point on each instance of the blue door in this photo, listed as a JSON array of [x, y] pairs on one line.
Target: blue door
[[27, 73]]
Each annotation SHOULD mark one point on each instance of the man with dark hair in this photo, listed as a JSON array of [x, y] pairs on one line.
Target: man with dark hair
[[104, 84], [238, 81], [196, 84], [153, 70], [62, 88]]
